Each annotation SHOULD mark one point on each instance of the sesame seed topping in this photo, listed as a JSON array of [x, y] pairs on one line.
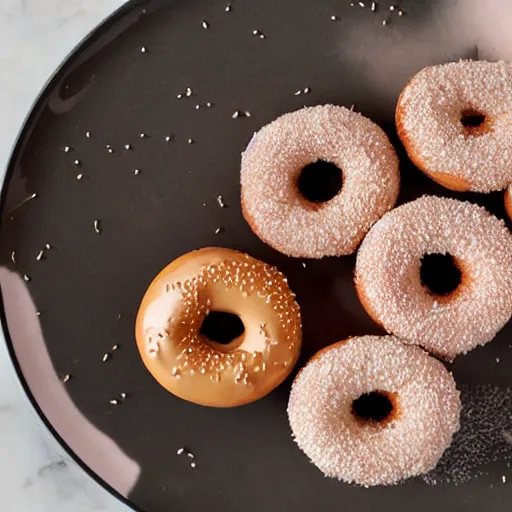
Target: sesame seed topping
[[124, 396], [384, 22], [96, 225], [136, 172], [361, 4], [77, 163], [114, 402], [88, 135], [190, 141], [400, 13], [392, 7], [192, 465], [79, 176], [189, 92], [40, 255], [105, 357], [304, 264], [115, 347], [220, 202], [180, 451], [218, 230], [143, 49], [66, 378], [205, 24], [48, 247], [235, 114], [504, 479], [67, 149], [374, 6], [26, 278], [143, 135], [333, 18], [128, 147], [228, 8]]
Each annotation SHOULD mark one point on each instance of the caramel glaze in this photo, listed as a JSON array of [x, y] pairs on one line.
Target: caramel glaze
[[187, 363]]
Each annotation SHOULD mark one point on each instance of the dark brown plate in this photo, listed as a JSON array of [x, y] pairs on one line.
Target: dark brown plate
[[87, 287]]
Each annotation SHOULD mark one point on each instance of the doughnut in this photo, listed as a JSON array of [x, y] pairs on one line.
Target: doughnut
[[508, 201], [437, 272], [213, 370], [315, 180], [455, 123], [372, 411]]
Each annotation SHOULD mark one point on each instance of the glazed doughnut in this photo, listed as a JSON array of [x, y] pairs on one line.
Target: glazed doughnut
[[508, 201], [464, 313], [455, 121], [286, 166], [198, 369], [372, 411]]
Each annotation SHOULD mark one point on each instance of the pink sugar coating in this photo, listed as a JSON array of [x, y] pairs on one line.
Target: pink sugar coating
[[431, 106], [341, 446], [388, 274], [271, 165]]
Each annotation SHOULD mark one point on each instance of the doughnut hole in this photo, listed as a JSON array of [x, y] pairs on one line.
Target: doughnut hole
[[376, 408], [441, 274], [475, 123], [222, 330], [320, 181]]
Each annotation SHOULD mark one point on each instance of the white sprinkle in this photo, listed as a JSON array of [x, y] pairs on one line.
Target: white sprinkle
[[361, 4], [391, 7], [79, 176], [97, 226], [374, 6], [192, 465], [114, 402], [198, 107], [180, 451], [209, 104], [142, 135], [307, 90], [384, 22], [217, 231], [297, 93], [334, 18], [168, 138], [205, 24], [110, 150], [400, 12], [40, 255], [26, 278], [26, 200], [136, 172], [13, 257], [236, 114], [220, 201], [143, 49], [304, 264], [247, 113], [78, 163], [38, 313], [179, 96], [123, 396], [255, 32], [66, 378], [67, 149], [189, 92], [105, 357], [190, 141], [190, 455], [504, 479], [115, 347], [128, 146], [228, 8], [262, 36], [88, 135], [497, 359], [48, 247]]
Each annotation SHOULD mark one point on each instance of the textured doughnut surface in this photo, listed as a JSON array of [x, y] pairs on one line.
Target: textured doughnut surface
[[186, 362], [325, 427], [388, 279], [428, 119], [271, 165]]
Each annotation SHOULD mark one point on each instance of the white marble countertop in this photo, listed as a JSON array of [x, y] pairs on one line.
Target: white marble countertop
[[35, 473]]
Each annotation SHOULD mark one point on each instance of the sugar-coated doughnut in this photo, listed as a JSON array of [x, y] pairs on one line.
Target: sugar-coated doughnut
[[373, 411], [273, 166], [455, 121], [189, 364], [508, 201], [389, 266]]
